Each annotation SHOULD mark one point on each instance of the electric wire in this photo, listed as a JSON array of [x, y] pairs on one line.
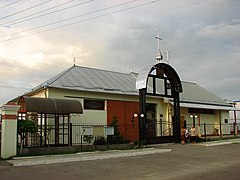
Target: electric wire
[[35, 17], [32, 7], [95, 17], [15, 20], [68, 19], [10, 4]]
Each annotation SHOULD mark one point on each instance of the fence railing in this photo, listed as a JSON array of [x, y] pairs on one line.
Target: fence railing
[[79, 135], [90, 134], [216, 130]]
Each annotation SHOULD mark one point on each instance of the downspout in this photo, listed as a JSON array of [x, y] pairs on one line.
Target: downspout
[[45, 91], [220, 123], [199, 125]]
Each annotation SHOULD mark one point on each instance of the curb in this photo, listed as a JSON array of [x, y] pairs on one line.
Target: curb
[[82, 157], [218, 144]]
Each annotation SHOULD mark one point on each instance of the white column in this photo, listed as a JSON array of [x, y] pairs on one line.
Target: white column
[[9, 130]]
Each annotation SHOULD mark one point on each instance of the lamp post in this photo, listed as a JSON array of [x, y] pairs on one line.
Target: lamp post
[[193, 116], [141, 134]]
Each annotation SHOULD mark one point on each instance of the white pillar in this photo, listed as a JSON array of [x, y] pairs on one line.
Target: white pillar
[[9, 130]]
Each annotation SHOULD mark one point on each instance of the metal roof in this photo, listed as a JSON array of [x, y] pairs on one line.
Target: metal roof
[[89, 79], [96, 80], [206, 106], [51, 105]]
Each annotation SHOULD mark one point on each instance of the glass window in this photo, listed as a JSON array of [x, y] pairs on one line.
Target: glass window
[[93, 104]]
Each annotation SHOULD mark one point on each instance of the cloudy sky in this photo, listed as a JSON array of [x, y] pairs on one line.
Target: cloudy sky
[[39, 39]]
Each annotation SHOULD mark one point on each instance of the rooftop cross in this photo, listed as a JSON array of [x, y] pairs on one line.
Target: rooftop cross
[[159, 56]]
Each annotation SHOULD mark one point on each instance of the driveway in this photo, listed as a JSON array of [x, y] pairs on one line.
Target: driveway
[[183, 162]]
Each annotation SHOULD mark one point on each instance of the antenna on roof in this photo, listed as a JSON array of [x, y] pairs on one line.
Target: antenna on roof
[[167, 53], [159, 56], [74, 61]]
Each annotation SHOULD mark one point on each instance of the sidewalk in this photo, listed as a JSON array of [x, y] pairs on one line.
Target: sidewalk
[[97, 155], [83, 156]]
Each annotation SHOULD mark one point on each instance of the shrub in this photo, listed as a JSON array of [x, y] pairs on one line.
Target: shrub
[[100, 141], [24, 127], [117, 138], [88, 138]]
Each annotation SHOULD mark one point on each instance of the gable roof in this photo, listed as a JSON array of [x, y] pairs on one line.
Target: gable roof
[[97, 80], [90, 79]]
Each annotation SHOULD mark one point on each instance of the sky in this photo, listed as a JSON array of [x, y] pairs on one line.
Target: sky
[[39, 39]]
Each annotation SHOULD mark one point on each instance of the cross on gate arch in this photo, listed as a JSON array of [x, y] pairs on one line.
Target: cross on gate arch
[[172, 86]]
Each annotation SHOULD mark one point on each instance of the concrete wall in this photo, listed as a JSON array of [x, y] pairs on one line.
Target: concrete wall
[[100, 116]]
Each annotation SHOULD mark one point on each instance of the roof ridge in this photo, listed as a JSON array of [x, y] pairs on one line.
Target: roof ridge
[[58, 76], [53, 79], [103, 70]]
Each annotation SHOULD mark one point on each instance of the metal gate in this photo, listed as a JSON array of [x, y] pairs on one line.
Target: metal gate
[[159, 132]]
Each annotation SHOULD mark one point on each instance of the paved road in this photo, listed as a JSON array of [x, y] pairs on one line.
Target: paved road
[[183, 162]]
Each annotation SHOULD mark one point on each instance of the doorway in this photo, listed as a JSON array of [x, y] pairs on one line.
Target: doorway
[[150, 120]]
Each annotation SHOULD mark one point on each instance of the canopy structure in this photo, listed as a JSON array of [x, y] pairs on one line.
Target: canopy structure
[[206, 106], [50, 105]]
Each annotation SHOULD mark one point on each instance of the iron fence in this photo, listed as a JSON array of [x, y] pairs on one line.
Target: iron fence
[[79, 135], [164, 128], [89, 134], [216, 130]]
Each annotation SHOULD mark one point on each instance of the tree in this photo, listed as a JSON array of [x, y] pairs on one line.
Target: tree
[[117, 138], [23, 128]]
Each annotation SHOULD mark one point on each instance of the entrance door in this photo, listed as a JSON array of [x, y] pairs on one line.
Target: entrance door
[[62, 130], [150, 120], [182, 122]]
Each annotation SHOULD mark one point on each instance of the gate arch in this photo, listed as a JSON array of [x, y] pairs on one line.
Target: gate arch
[[172, 87]]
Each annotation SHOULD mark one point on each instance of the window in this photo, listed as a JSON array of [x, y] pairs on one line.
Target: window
[[200, 111], [93, 104]]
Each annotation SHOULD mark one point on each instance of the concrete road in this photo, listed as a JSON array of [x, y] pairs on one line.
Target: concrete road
[[189, 161]]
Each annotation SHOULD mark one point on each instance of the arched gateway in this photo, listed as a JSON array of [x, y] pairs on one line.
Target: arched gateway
[[163, 81]]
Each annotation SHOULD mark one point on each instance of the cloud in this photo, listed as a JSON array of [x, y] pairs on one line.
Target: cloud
[[202, 37], [227, 30]]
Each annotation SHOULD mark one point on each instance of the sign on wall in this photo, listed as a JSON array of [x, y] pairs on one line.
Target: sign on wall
[[88, 130], [109, 131]]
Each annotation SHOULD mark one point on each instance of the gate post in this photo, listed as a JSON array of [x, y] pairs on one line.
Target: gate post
[[9, 130]]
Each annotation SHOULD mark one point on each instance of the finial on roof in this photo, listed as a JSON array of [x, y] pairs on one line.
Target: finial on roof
[[131, 69], [74, 61], [159, 56]]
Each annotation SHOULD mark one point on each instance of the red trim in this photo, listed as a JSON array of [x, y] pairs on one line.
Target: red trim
[[9, 117]]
